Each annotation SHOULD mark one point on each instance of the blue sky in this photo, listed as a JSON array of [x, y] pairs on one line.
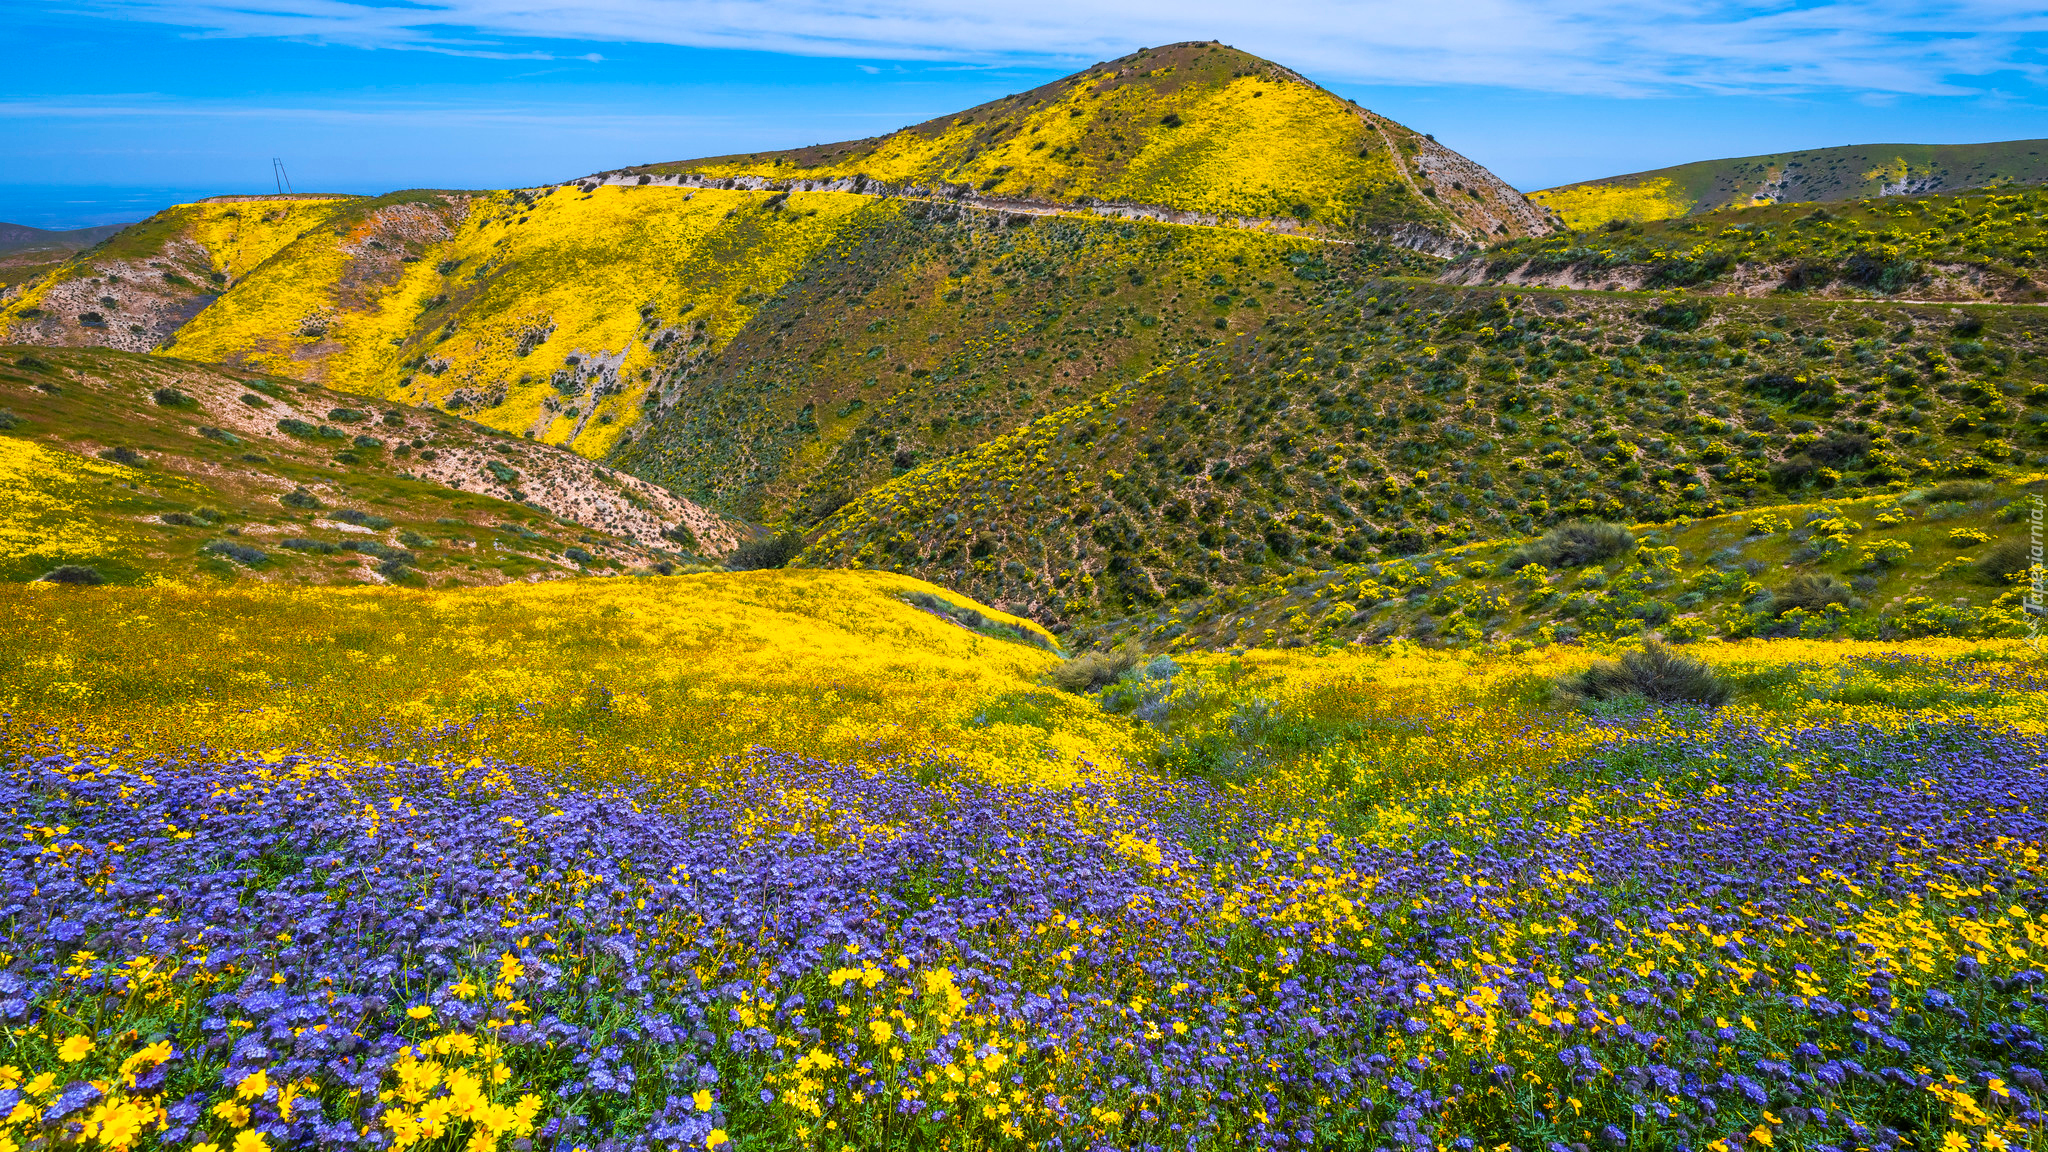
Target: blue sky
[[111, 108]]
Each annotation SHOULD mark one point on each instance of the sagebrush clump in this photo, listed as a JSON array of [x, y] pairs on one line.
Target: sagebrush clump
[[1658, 674]]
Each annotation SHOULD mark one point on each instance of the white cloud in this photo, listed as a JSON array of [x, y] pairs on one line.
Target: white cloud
[[1613, 47]]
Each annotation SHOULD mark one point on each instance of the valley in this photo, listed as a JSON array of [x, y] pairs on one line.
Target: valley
[[1166, 610]]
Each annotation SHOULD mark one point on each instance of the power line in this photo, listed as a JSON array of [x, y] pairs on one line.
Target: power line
[[279, 176]]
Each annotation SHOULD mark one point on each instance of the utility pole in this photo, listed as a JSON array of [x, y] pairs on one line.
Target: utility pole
[[279, 176]]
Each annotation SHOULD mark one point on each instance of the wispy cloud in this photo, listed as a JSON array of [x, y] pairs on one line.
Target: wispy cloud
[[1611, 47]]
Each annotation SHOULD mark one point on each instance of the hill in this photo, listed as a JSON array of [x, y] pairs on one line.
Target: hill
[[148, 469], [1191, 133], [134, 289], [774, 346], [621, 322], [931, 329], [1851, 172], [17, 238], [29, 253], [1977, 246], [1942, 559], [1394, 419]]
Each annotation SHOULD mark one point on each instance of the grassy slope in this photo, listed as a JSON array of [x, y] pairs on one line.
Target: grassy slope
[[1196, 127], [925, 330], [1847, 173], [427, 474], [149, 279], [1395, 419], [658, 678], [1719, 576], [1982, 245]]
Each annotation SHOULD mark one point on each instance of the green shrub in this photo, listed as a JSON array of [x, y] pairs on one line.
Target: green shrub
[[1813, 592], [2005, 560], [1573, 545], [578, 555], [8, 419], [1680, 317], [75, 574], [220, 434], [299, 498], [293, 426], [239, 553], [170, 397], [1654, 672], [1091, 670], [363, 519], [1956, 490]]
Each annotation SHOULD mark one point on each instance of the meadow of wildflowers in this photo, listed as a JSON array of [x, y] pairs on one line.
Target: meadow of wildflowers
[[779, 860]]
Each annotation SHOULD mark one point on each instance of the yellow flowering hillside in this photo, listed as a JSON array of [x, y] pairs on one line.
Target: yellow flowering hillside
[[1819, 174], [546, 313], [139, 286], [652, 677], [1197, 128]]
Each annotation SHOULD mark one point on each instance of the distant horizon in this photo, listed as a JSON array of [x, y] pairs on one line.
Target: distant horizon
[[107, 102], [65, 207]]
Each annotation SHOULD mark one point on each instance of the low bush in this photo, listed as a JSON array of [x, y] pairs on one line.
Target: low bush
[[170, 397], [1956, 490], [363, 519], [76, 574], [239, 553], [1573, 545], [1813, 592], [1657, 674], [2005, 560], [1091, 670]]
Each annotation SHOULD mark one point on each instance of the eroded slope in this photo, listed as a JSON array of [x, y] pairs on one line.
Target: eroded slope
[[152, 468], [137, 288]]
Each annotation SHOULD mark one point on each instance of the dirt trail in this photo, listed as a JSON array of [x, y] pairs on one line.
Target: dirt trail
[[1394, 154]]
